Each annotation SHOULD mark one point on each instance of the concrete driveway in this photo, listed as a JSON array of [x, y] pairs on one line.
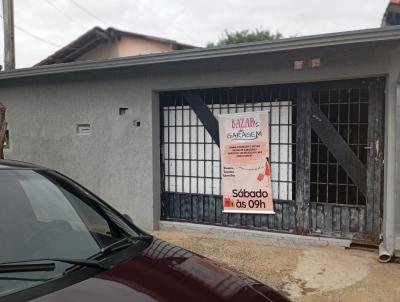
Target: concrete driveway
[[304, 273]]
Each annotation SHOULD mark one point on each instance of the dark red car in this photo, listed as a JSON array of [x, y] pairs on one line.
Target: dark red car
[[59, 242]]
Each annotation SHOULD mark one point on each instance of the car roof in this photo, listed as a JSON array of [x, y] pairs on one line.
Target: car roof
[[18, 165]]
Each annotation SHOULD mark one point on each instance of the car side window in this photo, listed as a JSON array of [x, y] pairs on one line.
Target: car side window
[[45, 197], [93, 221]]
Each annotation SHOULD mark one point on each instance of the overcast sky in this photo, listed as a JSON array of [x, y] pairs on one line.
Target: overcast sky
[[196, 22]]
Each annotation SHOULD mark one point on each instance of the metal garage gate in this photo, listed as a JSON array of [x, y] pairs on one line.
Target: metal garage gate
[[326, 144]]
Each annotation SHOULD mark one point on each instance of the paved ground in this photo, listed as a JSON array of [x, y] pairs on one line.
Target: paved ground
[[304, 273]]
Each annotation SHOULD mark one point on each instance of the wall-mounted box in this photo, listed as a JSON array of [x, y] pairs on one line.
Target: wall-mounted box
[[83, 129], [315, 63], [298, 65]]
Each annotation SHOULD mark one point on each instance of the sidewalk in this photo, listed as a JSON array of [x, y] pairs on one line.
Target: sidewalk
[[305, 273]]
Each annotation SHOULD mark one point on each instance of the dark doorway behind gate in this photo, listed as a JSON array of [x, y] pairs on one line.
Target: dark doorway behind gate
[[325, 163]]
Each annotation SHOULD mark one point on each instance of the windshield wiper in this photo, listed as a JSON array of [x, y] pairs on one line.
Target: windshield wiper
[[123, 243], [26, 266], [114, 247]]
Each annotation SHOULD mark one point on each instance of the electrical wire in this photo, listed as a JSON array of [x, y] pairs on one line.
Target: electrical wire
[[55, 45], [34, 36], [62, 13], [89, 13]]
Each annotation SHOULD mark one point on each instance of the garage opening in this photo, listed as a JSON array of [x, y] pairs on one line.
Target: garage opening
[[317, 187]]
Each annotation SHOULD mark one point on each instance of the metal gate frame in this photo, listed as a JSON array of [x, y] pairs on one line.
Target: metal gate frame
[[357, 222], [360, 222]]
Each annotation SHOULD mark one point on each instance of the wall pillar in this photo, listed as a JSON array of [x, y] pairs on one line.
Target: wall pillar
[[155, 124], [397, 177]]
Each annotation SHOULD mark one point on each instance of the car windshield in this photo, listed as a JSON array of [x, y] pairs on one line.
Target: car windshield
[[43, 215]]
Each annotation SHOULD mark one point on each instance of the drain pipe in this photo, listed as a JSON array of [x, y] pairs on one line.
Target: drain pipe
[[384, 255], [387, 247]]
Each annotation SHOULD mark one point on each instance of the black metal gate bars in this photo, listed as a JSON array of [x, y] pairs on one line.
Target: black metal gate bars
[[319, 181]]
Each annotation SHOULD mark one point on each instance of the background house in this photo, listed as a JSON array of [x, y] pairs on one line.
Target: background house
[[99, 44], [392, 14]]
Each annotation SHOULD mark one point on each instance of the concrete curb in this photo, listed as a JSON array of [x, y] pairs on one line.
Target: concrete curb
[[242, 234]]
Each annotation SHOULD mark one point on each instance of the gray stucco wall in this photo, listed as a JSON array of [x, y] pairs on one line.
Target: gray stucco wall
[[120, 162], [115, 160]]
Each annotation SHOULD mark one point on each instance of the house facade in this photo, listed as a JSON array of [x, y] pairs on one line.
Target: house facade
[[130, 129]]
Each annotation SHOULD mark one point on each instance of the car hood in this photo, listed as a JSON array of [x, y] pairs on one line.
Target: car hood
[[165, 272]]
